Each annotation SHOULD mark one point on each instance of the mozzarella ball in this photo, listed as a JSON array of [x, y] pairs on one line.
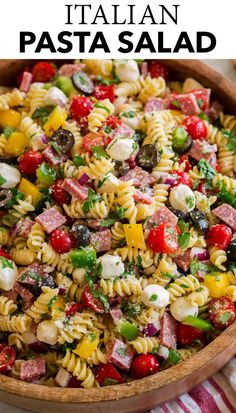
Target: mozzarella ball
[[47, 332], [182, 198], [155, 296], [131, 122], [55, 96], [182, 308], [120, 149], [11, 175], [8, 275], [110, 183], [163, 352], [127, 70], [112, 266]]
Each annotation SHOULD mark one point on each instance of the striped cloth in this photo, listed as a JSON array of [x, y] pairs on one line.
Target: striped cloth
[[215, 395]]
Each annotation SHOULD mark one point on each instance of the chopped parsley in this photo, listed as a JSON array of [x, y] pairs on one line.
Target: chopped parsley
[[121, 351], [6, 263], [56, 148], [2, 180], [207, 170], [52, 302], [231, 145], [103, 180], [130, 309], [92, 337], [224, 318], [226, 196], [176, 103], [184, 239], [109, 382], [42, 112], [99, 152], [8, 131], [174, 357], [92, 197], [153, 297], [183, 226], [107, 130], [78, 160], [190, 201], [130, 114]]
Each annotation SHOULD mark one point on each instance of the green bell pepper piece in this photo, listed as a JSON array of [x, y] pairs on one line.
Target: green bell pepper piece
[[85, 258], [198, 323], [179, 138], [65, 84], [45, 174], [128, 330]]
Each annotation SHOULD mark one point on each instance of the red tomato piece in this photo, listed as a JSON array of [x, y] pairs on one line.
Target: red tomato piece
[[30, 161], [106, 374], [93, 139], [185, 159], [73, 308], [201, 188], [195, 127], [222, 312], [102, 92], [7, 358], [43, 72], [163, 238], [58, 194], [203, 98], [186, 334], [220, 236], [74, 383], [90, 301], [5, 254], [113, 121], [157, 69], [144, 365], [182, 178], [80, 107], [61, 241]]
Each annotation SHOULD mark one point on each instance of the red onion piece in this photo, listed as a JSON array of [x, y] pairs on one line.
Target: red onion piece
[[15, 228], [38, 347], [83, 180], [44, 139], [170, 180], [201, 253], [151, 329], [61, 291]]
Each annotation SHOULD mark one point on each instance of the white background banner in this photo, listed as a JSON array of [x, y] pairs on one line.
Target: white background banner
[[122, 28]]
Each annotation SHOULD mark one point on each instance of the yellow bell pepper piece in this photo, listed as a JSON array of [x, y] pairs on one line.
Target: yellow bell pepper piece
[[87, 346], [9, 118], [57, 308], [55, 120], [28, 188], [134, 235], [16, 144], [216, 283]]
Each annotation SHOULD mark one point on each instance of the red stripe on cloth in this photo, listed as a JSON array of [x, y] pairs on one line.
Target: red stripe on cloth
[[204, 400], [222, 393], [182, 406], [165, 408]]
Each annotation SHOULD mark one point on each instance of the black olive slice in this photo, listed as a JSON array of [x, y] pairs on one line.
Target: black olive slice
[[148, 157], [63, 140], [83, 82]]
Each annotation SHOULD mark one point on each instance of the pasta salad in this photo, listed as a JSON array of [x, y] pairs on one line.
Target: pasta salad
[[118, 220]]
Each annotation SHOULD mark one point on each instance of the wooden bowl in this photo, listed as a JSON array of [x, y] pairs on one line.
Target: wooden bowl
[[139, 395]]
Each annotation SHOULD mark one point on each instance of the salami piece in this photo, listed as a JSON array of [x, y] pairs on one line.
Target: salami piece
[[140, 196], [101, 240], [53, 158], [33, 273], [26, 82], [188, 104], [161, 216], [203, 150], [11, 295], [139, 177], [214, 111], [70, 69], [119, 354], [75, 189], [51, 219], [116, 314], [168, 331], [123, 131], [23, 292], [227, 214], [33, 369], [26, 225], [183, 261], [154, 105]]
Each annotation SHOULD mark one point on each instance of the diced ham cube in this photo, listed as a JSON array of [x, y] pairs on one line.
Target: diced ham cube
[[123, 131], [154, 105], [139, 177], [116, 314], [161, 216], [26, 82], [51, 219], [183, 261], [69, 69], [140, 196], [188, 104], [119, 354], [33, 369], [168, 331], [227, 214], [53, 158], [26, 226], [101, 240], [75, 189]]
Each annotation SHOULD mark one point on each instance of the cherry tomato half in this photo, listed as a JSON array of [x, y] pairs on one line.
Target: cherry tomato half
[[164, 238], [144, 365], [93, 139], [91, 302], [195, 127], [30, 161], [7, 358], [220, 236], [187, 334], [182, 178], [102, 92], [106, 374], [222, 312], [157, 69]]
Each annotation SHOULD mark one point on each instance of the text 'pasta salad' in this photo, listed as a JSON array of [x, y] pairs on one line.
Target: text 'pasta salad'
[[118, 220]]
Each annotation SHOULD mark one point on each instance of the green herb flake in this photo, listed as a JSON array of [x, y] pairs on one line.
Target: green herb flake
[[6, 263], [107, 130], [200, 103], [153, 297], [207, 170], [194, 266], [109, 382], [174, 357], [56, 148], [99, 152], [121, 351], [92, 337], [92, 197], [42, 112], [7, 131], [231, 145], [121, 212], [129, 115], [52, 302], [190, 201], [155, 351], [79, 160], [2, 180], [184, 240], [176, 103], [224, 318]]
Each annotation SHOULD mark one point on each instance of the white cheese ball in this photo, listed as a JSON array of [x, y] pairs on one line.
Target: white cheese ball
[[112, 266], [155, 296], [182, 198], [10, 174], [127, 70], [163, 352], [108, 183], [47, 332], [131, 122], [8, 275], [182, 308], [120, 149], [55, 96]]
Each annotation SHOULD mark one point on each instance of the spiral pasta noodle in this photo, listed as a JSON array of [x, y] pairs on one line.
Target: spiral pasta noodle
[[218, 257], [7, 306], [144, 345], [100, 112], [40, 306], [182, 286], [79, 369], [121, 287]]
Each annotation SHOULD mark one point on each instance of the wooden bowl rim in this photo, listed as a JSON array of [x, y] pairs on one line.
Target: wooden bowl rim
[[225, 340]]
